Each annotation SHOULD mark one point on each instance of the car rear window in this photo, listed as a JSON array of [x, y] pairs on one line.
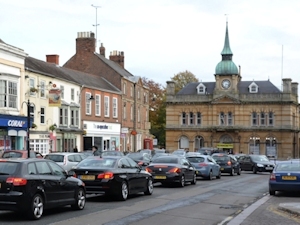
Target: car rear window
[[165, 160], [8, 168], [221, 158], [196, 159], [288, 167], [55, 158], [12, 155]]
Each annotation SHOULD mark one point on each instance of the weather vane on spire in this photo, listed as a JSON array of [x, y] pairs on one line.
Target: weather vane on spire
[[226, 17]]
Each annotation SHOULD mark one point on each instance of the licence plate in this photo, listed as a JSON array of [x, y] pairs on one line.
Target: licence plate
[[160, 177], [289, 178], [87, 177], [222, 168], [269, 168]]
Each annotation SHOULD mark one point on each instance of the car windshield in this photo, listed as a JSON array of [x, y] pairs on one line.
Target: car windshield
[[8, 168], [260, 158], [179, 152], [282, 167], [165, 160], [97, 163], [12, 155], [112, 153], [196, 159], [55, 158]]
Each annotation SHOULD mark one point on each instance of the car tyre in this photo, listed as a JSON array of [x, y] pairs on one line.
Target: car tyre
[[36, 207], [239, 171], [254, 170], [271, 192], [210, 175], [182, 181], [219, 176], [149, 187], [80, 199], [124, 191], [194, 181], [232, 172]]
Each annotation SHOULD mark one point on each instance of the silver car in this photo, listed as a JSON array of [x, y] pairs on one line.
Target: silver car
[[66, 159]]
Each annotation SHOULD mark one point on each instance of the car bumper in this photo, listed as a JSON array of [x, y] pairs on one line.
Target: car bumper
[[169, 178], [284, 186], [203, 172], [13, 201], [263, 169], [226, 169]]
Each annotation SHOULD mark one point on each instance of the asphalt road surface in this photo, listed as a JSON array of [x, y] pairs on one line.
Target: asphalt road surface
[[207, 202]]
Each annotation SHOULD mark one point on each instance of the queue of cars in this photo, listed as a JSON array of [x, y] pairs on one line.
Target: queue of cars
[[62, 178]]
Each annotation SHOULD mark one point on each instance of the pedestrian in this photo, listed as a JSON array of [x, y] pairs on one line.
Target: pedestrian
[[75, 149], [95, 151]]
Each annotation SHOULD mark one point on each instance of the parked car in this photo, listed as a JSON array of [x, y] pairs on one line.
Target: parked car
[[66, 159], [142, 159], [285, 177], [117, 176], [148, 151], [256, 163], [172, 169], [159, 154], [228, 163], [32, 185], [180, 152], [20, 154], [112, 153], [205, 165], [207, 150]]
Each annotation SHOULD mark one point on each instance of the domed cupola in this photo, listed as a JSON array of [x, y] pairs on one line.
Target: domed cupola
[[226, 66]]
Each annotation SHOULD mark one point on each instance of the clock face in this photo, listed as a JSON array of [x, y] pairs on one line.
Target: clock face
[[226, 84]]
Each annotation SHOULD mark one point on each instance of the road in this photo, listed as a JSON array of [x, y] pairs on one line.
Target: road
[[207, 202]]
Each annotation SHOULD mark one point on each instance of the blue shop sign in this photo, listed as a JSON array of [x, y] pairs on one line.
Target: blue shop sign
[[13, 122]]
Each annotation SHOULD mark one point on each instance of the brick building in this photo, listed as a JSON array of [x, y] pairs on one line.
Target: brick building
[[234, 115], [135, 97]]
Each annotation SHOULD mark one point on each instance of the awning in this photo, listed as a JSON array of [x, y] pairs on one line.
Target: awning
[[12, 133], [22, 133]]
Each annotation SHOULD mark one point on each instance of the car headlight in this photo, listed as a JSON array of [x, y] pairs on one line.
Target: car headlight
[[259, 165]]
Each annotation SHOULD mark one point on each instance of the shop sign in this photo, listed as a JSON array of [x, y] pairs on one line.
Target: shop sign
[[222, 145], [101, 127], [15, 123]]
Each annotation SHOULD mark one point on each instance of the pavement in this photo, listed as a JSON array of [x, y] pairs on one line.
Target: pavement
[[267, 211]]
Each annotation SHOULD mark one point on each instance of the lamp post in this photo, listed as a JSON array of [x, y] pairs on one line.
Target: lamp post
[[28, 104]]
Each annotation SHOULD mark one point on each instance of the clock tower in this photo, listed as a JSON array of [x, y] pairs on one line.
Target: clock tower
[[227, 74]]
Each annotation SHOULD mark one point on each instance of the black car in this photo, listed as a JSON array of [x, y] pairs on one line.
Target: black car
[[117, 176], [228, 163], [142, 159], [32, 185], [256, 163], [172, 169]]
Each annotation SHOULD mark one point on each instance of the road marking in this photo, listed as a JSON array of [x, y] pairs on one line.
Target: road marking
[[226, 220]]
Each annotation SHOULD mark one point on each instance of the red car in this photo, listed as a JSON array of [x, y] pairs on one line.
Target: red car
[[20, 154]]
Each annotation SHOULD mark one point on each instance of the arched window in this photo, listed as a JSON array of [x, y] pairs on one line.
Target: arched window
[[183, 142], [199, 142]]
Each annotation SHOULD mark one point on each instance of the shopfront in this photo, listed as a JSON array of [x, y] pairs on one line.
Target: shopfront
[[13, 132], [106, 136]]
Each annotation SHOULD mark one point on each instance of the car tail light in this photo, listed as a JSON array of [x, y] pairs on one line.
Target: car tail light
[[148, 170], [175, 170], [203, 164], [272, 176], [106, 175], [16, 181], [74, 175], [229, 163], [140, 163]]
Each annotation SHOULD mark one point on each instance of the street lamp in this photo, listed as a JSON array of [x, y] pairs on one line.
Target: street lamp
[[28, 128], [96, 24]]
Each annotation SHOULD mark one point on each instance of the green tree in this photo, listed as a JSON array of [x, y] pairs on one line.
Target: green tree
[[182, 79], [157, 110]]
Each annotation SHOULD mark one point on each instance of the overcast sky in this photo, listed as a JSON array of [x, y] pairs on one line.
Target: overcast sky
[[161, 38]]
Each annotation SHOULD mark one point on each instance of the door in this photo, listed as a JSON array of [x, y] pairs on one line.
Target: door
[[189, 169], [139, 178]]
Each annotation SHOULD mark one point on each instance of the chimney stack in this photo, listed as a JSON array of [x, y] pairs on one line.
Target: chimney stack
[[52, 59], [102, 50], [117, 57], [85, 42]]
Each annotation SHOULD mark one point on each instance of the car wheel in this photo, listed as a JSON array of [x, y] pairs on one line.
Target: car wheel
[[182, 181], [210, 175], [219, 176], [36, 207], [79, 200], [149, 187], [254, 170], [194, 181], [123, 194], [232, 172], [239, 171], [271, 192]]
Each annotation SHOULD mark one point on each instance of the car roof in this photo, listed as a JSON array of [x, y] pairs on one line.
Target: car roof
[[63, 153], [22, 159]]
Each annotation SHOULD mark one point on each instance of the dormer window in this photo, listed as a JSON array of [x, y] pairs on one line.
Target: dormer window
[[201, 89], [253, 87]]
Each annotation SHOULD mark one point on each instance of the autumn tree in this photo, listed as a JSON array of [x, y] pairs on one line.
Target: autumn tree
[[183, 78], [157, 109]]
